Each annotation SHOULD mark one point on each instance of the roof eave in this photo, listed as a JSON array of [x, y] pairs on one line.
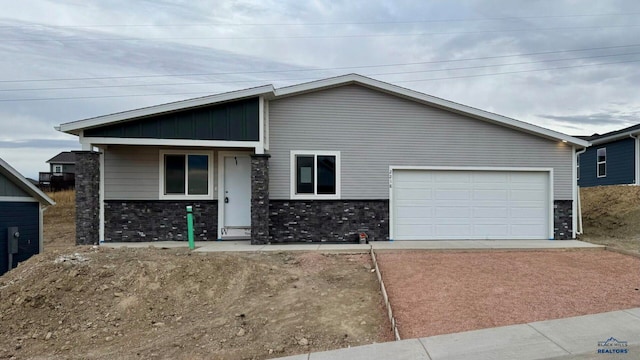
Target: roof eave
[[76, 127], [615, 137], [432, 101], [25, 184]]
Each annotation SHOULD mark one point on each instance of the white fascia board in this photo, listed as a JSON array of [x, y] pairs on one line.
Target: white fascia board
[[429, 100], [620, 136], [75, 126], [24, 184], [168, 142]]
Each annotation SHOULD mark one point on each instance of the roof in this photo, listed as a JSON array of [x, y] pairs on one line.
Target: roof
[[269, 92], [65, 157], [24, 184], [596, 139]]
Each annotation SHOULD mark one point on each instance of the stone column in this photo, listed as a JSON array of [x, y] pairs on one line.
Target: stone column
[[87, 197], [260, 199]]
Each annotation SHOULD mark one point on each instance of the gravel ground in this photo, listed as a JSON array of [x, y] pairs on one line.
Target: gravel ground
[[436, 293]]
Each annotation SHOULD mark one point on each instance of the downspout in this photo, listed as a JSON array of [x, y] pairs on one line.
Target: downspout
[[578, 228], [636, 163]]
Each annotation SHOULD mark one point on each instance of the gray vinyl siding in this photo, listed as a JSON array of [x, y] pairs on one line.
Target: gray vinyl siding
[[8, 188], [133, 172], [374, 130], [66, 168]]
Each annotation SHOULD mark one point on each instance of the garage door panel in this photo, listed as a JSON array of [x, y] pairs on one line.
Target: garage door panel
[[448, 204], [490, 194], [414, 193], [451, 194]]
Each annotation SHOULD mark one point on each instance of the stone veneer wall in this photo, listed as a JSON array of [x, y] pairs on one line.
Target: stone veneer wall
[[327, 220], [562, 219], [158, 220], [87, 197], [260, 199]]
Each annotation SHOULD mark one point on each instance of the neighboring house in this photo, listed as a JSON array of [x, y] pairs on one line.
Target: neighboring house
[[318, 162], [613, 159], [61, 175], [21, 208]]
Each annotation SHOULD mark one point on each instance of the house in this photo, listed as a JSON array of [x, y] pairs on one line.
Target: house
[[61, 175], [21, 208], [321, 161], [613, 159]]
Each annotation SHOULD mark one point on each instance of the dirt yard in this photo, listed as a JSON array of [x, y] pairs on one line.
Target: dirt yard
[[436, 293], [97, 303], [611, 216]]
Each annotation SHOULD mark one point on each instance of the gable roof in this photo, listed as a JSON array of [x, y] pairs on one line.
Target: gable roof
[[596, 139], [269, 92], [24, 184], [65, 157]]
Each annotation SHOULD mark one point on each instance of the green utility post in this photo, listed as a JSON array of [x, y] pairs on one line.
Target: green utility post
[[192, 244]]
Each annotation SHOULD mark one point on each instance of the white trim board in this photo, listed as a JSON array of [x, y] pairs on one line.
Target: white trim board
[[17, 199], [91, 141], [550, 199]]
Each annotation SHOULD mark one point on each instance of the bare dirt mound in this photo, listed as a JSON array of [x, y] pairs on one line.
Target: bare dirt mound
[[150, 303], [611, 216]]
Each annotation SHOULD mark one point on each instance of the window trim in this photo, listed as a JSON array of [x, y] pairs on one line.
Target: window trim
[[601, 162], [210, 177], [58, 166], [315, 195]]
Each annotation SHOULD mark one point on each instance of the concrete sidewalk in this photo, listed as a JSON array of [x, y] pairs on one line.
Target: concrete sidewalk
[[562, 339], [242, 246]]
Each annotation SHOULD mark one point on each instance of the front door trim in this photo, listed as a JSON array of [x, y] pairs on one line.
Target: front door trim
[[221, 195]]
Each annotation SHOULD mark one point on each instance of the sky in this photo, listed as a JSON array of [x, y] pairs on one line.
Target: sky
[[568, 65]]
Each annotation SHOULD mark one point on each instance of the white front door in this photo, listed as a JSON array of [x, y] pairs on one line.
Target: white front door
[[237, 196]]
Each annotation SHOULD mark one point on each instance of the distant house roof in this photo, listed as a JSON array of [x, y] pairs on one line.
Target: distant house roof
[[595, 139], [13, 175], [65, 157]]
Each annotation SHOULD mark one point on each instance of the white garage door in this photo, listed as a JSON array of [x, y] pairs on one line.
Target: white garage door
[[470, 204]]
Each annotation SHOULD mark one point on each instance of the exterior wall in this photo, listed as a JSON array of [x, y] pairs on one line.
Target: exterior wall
[[133, 172], [562, 219], [136, 221], [373, 130], [259, 199], [24, 215], [621, 166], [238, 121], [87, 197], [327, 220], [8, 188]]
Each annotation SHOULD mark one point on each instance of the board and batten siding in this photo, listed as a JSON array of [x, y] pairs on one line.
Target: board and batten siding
[[9, 189], [374, 130], [133, 172]]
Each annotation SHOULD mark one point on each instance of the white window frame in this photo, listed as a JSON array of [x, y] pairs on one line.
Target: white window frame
[[185, 196], [55, 167], [315, 195], [601, 162]]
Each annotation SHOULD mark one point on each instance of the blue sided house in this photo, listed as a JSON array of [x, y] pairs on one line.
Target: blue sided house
[[612, 159]]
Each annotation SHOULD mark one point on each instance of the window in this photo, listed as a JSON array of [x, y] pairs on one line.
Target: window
[[601, 162], [186, 175], [57, 169], [315, 174]]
